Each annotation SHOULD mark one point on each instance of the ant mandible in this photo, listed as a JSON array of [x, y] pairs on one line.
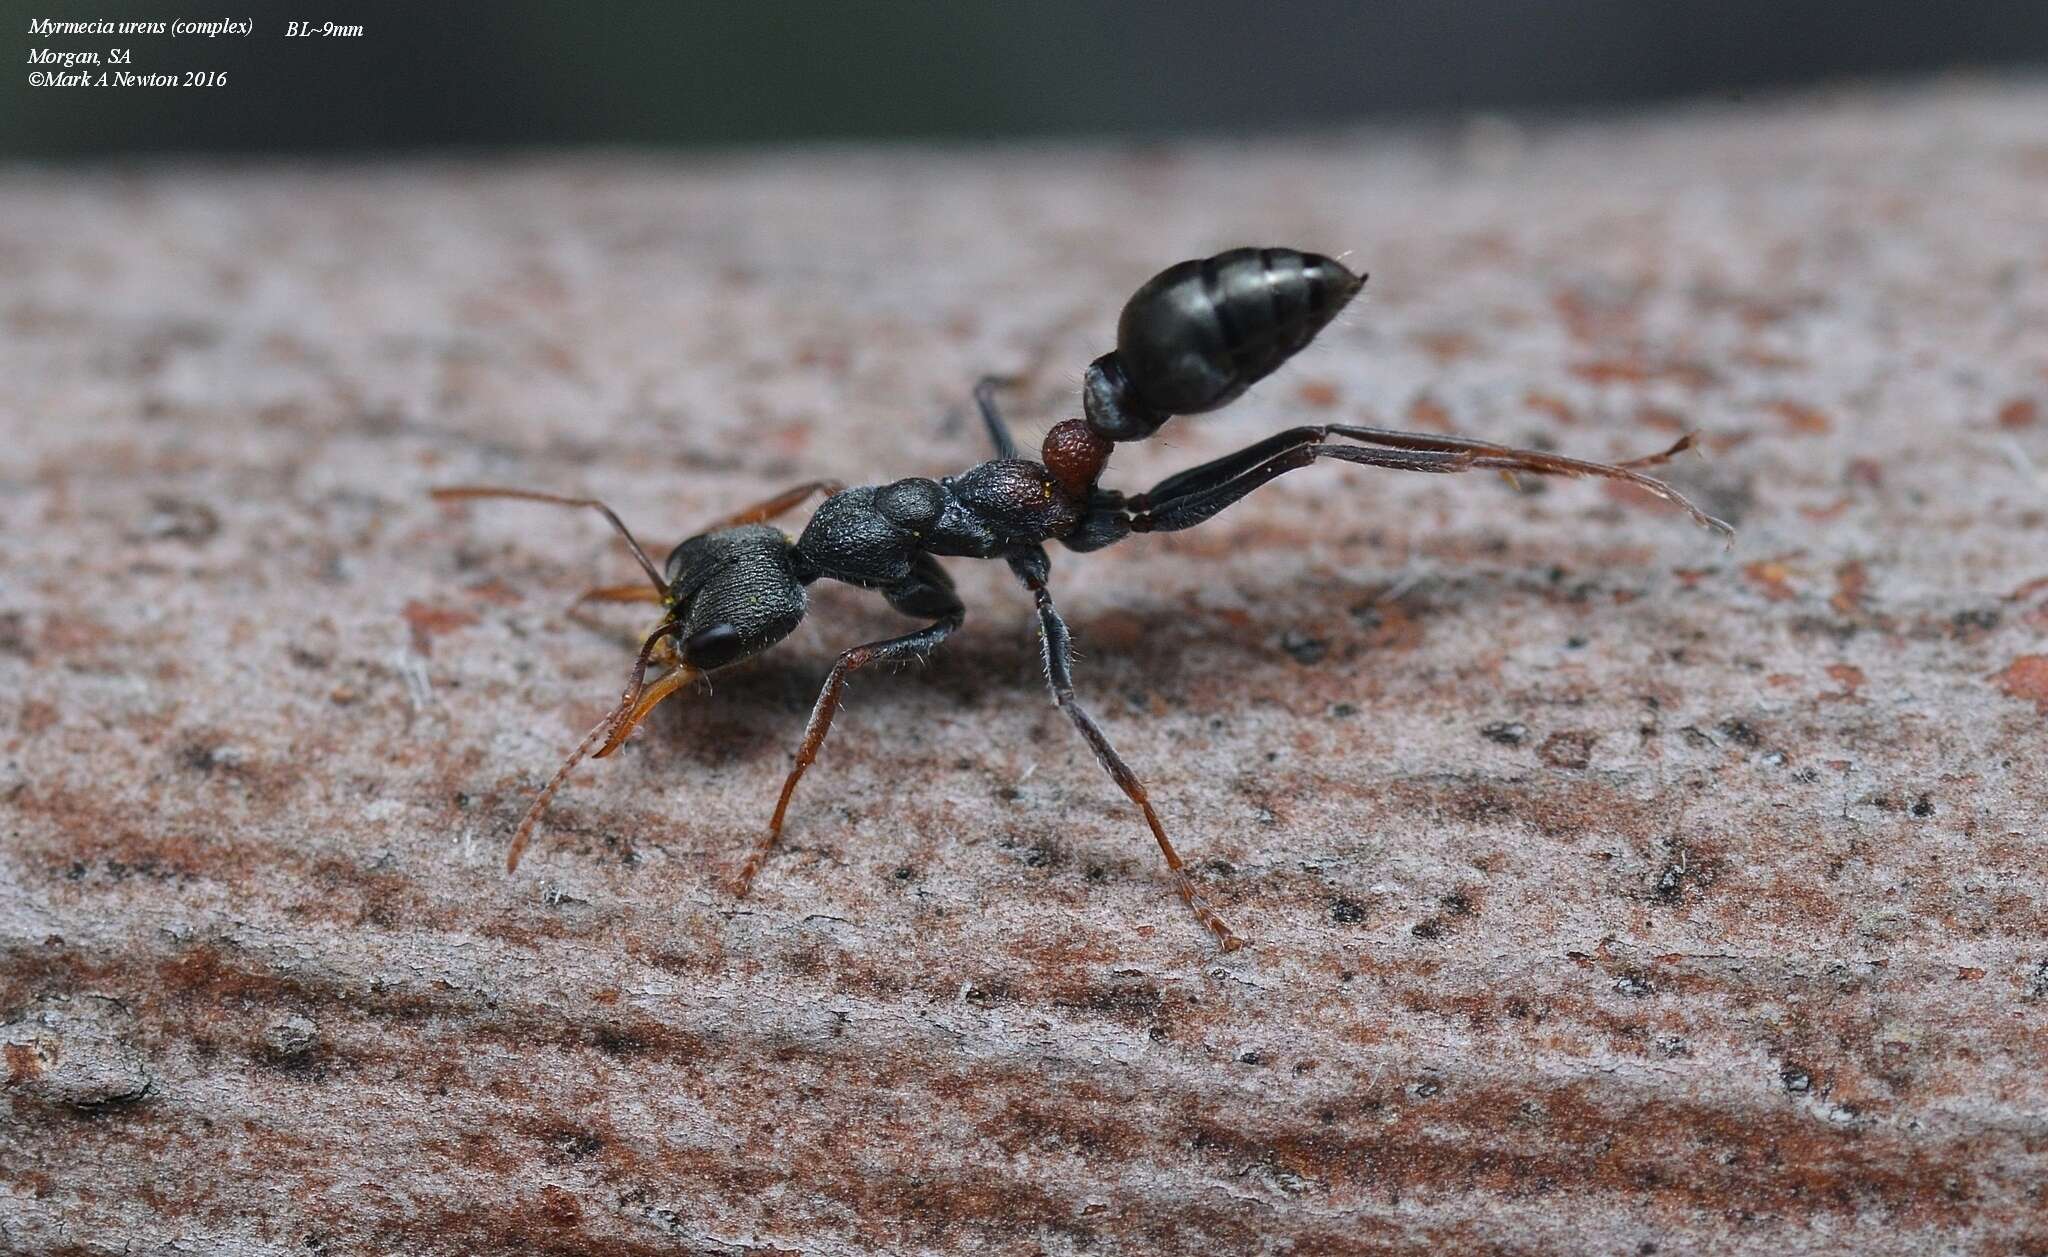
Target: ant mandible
[[1192, 339]]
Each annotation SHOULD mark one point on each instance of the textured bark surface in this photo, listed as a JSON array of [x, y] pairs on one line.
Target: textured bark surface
[[1610, 891]]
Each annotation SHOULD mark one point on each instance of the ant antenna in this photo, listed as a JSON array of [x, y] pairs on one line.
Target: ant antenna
[[460, 493]]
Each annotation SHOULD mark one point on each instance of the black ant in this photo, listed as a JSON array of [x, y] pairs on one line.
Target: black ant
[[1192, 339]]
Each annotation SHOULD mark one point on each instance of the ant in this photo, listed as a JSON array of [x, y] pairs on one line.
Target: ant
[[1192, 339]]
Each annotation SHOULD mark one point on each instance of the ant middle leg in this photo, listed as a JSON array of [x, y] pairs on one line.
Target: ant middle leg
[[992, 417], [1190, 497], [927, 593], [1032, 567], [618, 593], [615, 593]]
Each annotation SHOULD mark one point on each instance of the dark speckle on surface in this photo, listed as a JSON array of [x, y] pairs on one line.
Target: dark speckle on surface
[[1739, 732], [1303, 648], [1568, 749], [179, 519]]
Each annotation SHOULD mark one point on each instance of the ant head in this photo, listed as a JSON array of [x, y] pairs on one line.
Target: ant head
[[736, 592]]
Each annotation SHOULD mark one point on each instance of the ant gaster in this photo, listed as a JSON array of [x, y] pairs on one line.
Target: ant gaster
[[1192, 339]]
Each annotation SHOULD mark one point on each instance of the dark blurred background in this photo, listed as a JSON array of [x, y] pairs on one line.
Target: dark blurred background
[[468, 75]]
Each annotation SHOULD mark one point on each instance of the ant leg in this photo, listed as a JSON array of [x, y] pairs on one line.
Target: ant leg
[[635, 681], [1187, 499], [1199, 503], [928, 592], [781, 504], [1509, 458], [1476, 455], [629, 719], [1223, 470], [1397, 439], [616, 593], [759, 513], [998, 431], [1032, 567]]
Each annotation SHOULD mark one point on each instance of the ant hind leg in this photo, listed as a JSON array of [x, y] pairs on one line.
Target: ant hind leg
[[1032, 567], [1193, 496]]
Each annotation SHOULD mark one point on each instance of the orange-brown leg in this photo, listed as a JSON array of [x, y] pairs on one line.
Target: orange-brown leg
[[664, 653], [676, 678], [628, 702], [759, 513], [609, 593], [910, 645], [781, 504], [635, 592]]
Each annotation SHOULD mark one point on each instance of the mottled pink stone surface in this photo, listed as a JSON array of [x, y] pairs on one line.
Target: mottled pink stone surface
[[1610, 891]]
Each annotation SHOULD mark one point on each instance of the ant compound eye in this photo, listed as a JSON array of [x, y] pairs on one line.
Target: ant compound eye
[[713, 647], [914, 504]]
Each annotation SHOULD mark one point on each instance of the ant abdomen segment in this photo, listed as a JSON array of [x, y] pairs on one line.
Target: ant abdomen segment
[[1199, 333]]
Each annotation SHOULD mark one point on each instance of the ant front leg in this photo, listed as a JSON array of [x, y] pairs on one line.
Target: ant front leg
[[611, 593], [1190, 497], [927, 593], [617, 593], [1033, 568], [618, 722]]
